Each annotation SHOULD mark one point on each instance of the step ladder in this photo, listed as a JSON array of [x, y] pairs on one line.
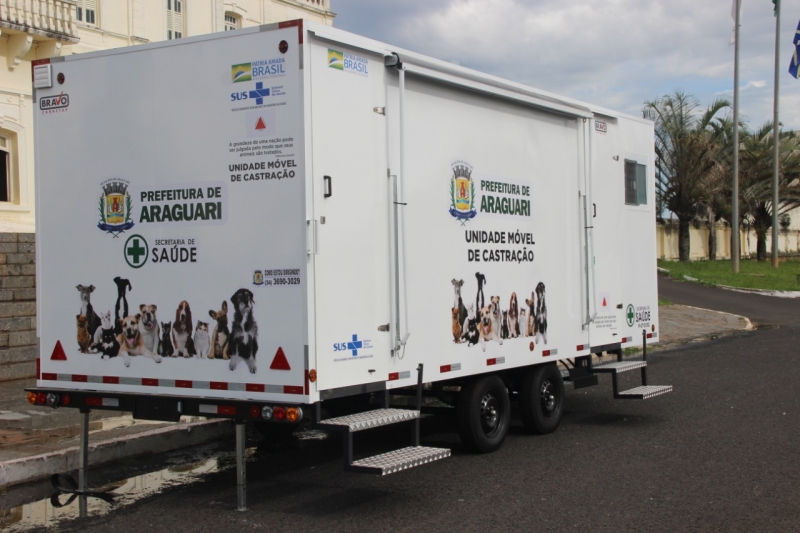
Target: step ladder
[[619, 366], [390, 462]]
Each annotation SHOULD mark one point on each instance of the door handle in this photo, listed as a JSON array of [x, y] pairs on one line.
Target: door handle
[[328, 187], [594, 210]]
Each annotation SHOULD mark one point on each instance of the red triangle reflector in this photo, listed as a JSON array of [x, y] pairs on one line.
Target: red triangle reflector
[[604, 302], [279, 362], [58, 353], [260, 124]]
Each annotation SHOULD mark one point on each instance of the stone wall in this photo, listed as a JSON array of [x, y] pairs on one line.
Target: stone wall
[[18, 350]]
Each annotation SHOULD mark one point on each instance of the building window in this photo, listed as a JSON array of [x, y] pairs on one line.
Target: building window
[[174, 19], [232, 21], [635, 183], [5, 168], [86, 11]]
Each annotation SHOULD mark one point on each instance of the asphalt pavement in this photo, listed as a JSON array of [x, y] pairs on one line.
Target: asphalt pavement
[[718, 454]]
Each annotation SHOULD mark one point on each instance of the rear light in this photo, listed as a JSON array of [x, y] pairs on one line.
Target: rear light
[[279, 414], [52, 399], [41, 398], [66, 399], [312, 375], [294, 414], [266, 412], [31, 398], [255, 412]]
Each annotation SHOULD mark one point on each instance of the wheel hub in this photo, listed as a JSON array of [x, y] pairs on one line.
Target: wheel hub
[[548, 397], [490, 413]]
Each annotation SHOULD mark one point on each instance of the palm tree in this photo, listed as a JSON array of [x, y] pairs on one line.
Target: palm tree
[[688, 147], [756, 174]]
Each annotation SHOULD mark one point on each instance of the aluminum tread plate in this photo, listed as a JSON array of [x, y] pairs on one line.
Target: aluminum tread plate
[[619, 366], [372, 419], [402, 459], [646, 391]]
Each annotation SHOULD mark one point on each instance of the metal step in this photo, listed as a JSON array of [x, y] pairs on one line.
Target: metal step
[[618, 366], [370, 419], [397, 460], [644, 392]]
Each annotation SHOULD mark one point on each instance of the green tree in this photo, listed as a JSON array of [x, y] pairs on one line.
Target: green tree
[[755, 180], [688, 146]]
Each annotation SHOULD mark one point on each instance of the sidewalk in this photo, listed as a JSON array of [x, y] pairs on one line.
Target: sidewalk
[[36, 442]]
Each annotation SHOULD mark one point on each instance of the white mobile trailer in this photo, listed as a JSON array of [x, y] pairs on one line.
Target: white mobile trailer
[[345, 217]]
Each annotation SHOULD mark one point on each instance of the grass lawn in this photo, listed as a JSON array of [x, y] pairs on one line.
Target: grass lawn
[[752, 274]]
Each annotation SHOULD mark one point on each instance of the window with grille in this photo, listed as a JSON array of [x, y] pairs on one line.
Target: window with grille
[[635, 183], [232, 22], [174, 19], [86, 11]]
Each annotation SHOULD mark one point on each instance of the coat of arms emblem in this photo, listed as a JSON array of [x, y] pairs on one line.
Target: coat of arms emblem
[[115, 207], [462, 192]]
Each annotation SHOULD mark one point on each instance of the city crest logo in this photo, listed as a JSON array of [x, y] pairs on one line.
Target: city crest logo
[[241, 72], [335, 59], [462, 192], [115, 207]]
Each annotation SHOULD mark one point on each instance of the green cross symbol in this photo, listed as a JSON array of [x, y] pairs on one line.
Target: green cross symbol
[[136, 250], [630, 315]]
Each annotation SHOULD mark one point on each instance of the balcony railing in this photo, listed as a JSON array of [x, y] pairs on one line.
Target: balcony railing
[[54, 19]]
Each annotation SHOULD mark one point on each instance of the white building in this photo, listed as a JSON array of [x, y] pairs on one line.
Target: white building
[[37, 29]]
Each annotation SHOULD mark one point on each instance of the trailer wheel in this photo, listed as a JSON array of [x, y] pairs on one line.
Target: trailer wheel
[[483, 414], [541, 401]]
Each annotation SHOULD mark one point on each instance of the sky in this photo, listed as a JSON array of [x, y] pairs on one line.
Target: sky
[[613, 53]]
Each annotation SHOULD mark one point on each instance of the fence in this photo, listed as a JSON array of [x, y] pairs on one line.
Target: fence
[[667, 241]]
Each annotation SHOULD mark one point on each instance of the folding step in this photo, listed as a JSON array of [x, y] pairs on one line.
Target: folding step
[[397, 460], [644, 392], [618, 366], [370, 419]]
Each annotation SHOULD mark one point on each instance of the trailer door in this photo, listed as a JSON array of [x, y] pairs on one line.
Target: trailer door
[[351, 216], [604, 216]]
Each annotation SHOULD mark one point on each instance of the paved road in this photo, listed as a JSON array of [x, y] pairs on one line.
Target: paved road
[[719, 454]]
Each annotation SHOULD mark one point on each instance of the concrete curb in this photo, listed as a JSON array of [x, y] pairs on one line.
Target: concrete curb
[[158, 440], [763, 292], [748, 325]]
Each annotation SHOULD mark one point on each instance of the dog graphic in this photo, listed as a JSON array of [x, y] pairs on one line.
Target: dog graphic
[[496, 316], [465, 324], [513, 316], [131, 342], [530, 330], [522, 320], [92, 320], [167, 350], [456, 326], [243, 342], [479, 304], [221, 334], [84, 339], [541, 314], [458, 303], [105, 323], [487, 328], [148, 326], [504, 327], [121, 307], [182, 331], [201, 343]]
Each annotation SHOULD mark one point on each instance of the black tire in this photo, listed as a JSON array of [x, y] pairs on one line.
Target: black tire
[[483, 413], [541, 399]]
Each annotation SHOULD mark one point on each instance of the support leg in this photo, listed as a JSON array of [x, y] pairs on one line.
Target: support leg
[[83, 462], [241, 476]]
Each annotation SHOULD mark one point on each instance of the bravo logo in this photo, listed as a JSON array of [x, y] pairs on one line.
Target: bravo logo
[[48, 103]]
